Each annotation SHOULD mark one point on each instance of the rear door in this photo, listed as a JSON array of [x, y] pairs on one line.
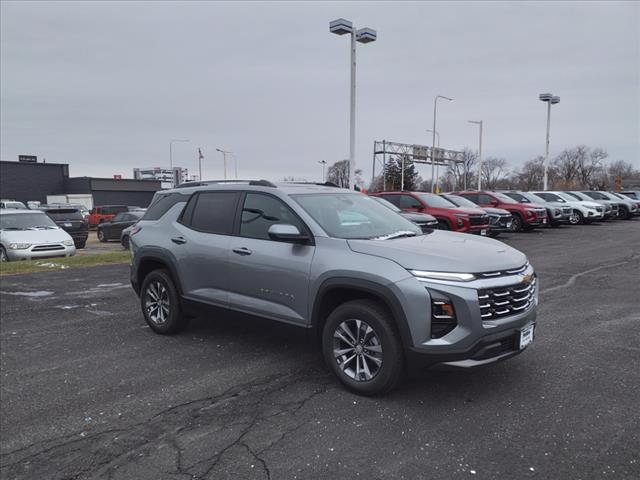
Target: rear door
[[201, 243], [269, 277]]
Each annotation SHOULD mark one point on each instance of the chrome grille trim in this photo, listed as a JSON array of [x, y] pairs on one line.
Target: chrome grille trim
[[500, 302], [47, 248]]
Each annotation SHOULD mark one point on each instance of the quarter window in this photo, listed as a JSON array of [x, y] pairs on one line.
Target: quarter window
[[162, 205], [484, 199], [259, 212], [407, 201]]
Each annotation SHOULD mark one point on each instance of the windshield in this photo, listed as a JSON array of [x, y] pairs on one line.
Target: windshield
[[577, 195], [460, 201], [436, 201], [549, 197], [597, 195], [351, 216], [617, 195], [387, 204], [506, 199], [23, 221], [568, 197]]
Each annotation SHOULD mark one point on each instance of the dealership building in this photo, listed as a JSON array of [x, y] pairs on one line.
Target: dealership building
[[35, 181]]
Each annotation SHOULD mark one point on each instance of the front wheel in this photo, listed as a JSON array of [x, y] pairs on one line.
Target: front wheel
[[361, 345], [517, 224], [576, 218], [101, 236], [160, 303], [125, 242], [3, 255]]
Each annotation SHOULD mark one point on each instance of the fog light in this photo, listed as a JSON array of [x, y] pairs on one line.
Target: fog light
[[443, 315]]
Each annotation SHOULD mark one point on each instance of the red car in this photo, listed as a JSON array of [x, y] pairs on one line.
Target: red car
[[449, 216], [104, 213], [526, 216]]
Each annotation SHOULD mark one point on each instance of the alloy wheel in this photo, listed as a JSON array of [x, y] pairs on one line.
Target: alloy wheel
[[357, 350], [3, 255], [157, 302]]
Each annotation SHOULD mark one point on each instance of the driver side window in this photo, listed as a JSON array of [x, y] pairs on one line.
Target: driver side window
[[407, 201], [259, 212]]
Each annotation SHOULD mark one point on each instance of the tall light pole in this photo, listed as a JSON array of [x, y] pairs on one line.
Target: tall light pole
[[364, 35], [171, 149], [437, 136], [323, 163], [479, 122], [550, 99], [224, 159], [433, 143]]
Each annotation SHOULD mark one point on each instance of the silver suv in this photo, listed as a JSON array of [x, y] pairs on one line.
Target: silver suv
[[380, 294]]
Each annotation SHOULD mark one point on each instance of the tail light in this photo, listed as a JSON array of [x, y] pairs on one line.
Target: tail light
[[135, 230]]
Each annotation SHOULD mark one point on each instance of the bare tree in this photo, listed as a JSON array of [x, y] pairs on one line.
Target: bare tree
[[622, 169], [493, 170], [591, 166], [462, 174], [338, 173], [530, 175]]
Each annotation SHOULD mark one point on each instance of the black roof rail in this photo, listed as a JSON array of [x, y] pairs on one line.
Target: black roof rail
[[321, 184], [253, 183]]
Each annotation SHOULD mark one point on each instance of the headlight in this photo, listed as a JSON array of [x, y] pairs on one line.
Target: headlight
[[451, 276], [68, 243], [19, 246], [558, 211], [530, 213]]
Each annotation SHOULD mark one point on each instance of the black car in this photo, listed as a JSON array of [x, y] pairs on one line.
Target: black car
[[423, 220], [501, 220], [111, 230], [71, 220]]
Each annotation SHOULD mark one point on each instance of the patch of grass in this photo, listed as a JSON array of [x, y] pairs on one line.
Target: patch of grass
[[77, 261]]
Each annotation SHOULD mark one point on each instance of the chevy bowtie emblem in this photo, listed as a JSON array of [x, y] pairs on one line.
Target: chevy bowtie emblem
[[526, 278]]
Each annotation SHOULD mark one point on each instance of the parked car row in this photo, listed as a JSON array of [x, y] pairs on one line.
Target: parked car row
[[493, 212]]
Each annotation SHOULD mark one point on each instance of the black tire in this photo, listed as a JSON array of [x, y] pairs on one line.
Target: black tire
[[3, 255], [576, 218], [444, 224], [81, 245], [101, 236], [624, 213], [173, 320], [390, 371], [125, 242], [517, 224]]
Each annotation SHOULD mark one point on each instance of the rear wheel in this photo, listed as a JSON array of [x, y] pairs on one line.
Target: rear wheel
[[362, 347], [3, 255], [160, 303], [101, 236], [125, 242], [623, 212]]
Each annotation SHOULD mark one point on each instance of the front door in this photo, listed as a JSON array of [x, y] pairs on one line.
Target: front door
[[269, 277]]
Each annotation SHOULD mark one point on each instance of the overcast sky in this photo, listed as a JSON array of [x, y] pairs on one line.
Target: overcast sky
[[106, 86]]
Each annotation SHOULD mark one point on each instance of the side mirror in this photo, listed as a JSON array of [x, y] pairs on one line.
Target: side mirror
[[494, 202], [285, 232]]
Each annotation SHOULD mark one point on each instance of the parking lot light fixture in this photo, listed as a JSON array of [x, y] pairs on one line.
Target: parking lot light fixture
[[363, 35], [171, 149], [479, 123], [549, 99], [433, 143], [224, 159]]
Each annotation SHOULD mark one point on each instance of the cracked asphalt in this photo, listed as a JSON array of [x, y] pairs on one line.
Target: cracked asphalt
[[89, 392]]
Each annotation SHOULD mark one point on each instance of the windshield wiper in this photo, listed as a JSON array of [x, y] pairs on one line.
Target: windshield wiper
[[11, 228], [391, 236]]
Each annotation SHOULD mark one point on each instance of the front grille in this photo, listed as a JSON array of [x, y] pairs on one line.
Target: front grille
[[479, 219], [503, 302], [566, 210], [427, 226], [598, 209], [614, 207], [541, 213], [47, 248]]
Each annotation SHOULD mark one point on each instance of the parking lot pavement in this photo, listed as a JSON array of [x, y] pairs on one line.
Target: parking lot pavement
[[96, 246], [88, 391]]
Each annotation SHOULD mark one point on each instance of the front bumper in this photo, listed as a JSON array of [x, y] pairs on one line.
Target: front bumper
[[30, 253], [475, 341]]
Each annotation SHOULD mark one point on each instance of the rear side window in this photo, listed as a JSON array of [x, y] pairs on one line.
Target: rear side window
[[394, 199], [162, 205], [261, 211], [474, 197], [407, 201], [213, 212], [484, 199]]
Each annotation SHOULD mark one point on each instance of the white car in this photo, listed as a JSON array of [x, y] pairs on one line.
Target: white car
[[27, 234], [583, 211]]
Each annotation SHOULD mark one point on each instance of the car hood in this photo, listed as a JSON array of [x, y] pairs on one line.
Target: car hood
[[496, 211], [444, 251], [50, 235], [418, 217]]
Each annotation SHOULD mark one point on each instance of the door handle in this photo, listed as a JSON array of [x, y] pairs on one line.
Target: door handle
[[242, 251], [179, 240]]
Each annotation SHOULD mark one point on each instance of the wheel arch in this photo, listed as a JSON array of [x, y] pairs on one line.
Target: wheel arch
[[336, 291], [148, 261]]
